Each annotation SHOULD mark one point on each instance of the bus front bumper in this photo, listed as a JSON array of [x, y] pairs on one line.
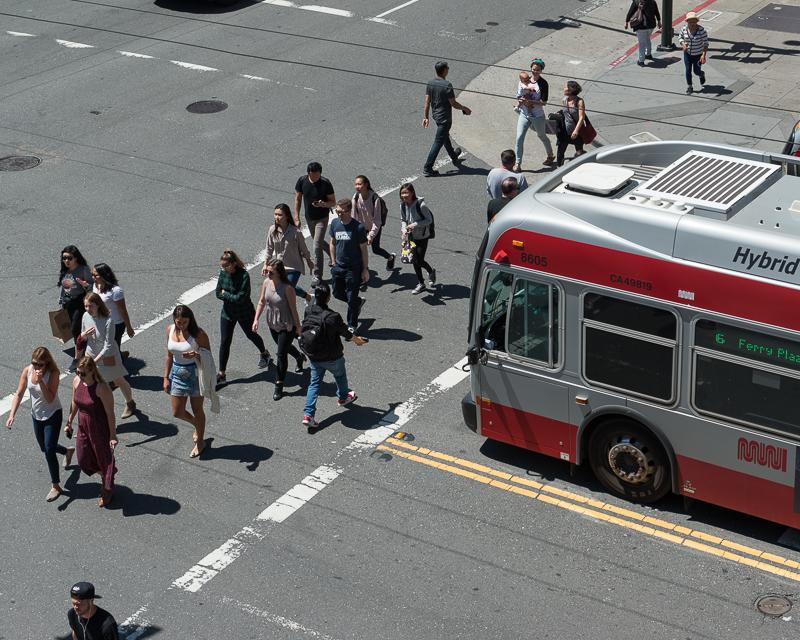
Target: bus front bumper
[[470, 413]]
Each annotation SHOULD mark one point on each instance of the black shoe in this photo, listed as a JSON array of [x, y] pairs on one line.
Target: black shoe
[[73, 367], [458, 159], [702, 78], [300, 362], [640, 63], [689, 90], [430, 173], [648, 57], [390, 262], [278, 394]]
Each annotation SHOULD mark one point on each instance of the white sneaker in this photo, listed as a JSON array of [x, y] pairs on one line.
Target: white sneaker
[[418, 289]]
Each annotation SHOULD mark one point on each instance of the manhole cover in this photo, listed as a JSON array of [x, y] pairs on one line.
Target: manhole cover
[[773, 605], [19, 163], [207, 106]]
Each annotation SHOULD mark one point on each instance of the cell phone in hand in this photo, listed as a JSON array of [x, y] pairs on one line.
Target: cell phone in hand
[[68, 434]]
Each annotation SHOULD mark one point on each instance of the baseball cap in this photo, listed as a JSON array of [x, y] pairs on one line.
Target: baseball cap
[[83, 591]]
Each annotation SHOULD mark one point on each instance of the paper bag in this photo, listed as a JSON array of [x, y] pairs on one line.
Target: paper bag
[[60, 325]]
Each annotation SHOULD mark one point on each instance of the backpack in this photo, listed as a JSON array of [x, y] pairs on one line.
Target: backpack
[[432, 225], [637, 19], [313, 338], [376, 199]]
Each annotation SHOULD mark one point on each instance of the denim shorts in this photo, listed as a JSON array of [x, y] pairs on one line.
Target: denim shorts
[[184, 380]]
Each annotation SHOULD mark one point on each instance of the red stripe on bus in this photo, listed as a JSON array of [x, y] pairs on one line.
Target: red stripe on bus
[[682, 284], [527, 430], [739, 491]]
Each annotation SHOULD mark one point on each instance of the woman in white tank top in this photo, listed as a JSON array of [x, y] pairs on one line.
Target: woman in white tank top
[[40, 379], [181, 375]]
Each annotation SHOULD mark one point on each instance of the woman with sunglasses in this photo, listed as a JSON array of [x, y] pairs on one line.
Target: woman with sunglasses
[[40, 380], [98, 332], [107, 287], [74, 279], [233, 288], [96, 439], [279, 299], [181, 376], [286, 242]]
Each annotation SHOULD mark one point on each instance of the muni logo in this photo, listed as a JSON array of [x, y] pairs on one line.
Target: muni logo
[[766, 455]]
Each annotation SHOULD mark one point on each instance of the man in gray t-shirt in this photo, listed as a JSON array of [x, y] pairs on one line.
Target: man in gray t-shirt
[[496, 176], [440, 99]]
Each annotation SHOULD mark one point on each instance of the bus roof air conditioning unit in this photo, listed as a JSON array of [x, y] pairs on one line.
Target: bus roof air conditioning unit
[[708, 181], [596, 178]]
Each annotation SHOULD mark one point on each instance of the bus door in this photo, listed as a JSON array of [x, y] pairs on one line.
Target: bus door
[[518, 400]]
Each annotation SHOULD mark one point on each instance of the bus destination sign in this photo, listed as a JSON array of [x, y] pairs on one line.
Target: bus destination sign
[[747, 344]]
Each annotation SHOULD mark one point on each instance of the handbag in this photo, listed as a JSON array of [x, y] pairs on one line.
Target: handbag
[[408, 251], [588, 132], [109, 361], [60, 324]]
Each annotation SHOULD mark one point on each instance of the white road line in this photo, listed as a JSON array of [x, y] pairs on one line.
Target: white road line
[[131, 54], [248, 76], [20, 34], [397, 8], [286, 623], [135, 625], [74, 45], [300, 494], [310, 7], [192, 66]]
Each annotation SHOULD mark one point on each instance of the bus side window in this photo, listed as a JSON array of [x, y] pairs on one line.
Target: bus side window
[[496, 295], [532, 324]]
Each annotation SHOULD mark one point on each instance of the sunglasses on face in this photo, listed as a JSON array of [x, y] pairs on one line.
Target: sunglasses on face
[[36, 363], [67, 258]]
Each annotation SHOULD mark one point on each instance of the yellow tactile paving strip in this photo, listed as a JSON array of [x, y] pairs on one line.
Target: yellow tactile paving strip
[[597, 509]]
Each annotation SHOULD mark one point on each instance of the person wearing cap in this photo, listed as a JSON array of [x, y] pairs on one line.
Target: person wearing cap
[[694, 40], [86, 620]]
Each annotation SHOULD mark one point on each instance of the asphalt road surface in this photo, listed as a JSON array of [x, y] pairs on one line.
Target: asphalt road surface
[[273, 532]]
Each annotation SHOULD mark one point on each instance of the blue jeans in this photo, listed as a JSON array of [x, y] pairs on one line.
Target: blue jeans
[[293, 277], [538, 124], [46, 432], [691, 63], [441, 139], [318, 369]]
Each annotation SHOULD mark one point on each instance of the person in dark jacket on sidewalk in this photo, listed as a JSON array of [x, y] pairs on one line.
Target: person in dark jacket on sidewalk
[[325, 352], [643, 16]]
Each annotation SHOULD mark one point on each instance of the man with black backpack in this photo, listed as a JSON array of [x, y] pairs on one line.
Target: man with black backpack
[[643, 16], [321, 339]]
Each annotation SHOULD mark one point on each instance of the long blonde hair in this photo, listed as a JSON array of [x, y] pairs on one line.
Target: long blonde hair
[[42, 354]]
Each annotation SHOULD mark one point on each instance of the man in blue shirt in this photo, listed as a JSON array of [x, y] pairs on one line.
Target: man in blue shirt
[[348, 244]]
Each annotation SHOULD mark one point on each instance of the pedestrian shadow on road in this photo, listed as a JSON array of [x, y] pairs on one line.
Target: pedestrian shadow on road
[[442, 293], [555, 25], [717, 89], [251, 455], [139, 504], [146, 631], [463, 170], [146, 383], [387, 333], [131, 504], [661, 62], [147, 427], [205, 7], [355, 416], [263, 375]]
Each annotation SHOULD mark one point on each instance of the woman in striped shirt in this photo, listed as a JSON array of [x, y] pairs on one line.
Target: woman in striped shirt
[[694, 40]]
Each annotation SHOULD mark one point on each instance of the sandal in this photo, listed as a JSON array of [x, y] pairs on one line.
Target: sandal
[[549, 161], [196, 452], [105, 498], [516, 168]]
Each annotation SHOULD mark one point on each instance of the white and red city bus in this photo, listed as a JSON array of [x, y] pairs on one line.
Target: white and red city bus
[[639, 310]]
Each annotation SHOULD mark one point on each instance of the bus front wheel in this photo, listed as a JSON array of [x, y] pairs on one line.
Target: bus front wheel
[[629, 461]]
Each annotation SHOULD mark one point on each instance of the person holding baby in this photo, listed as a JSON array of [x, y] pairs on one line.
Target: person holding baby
[[532, 95]]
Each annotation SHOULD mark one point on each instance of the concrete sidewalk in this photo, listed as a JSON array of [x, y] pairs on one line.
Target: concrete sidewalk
[[752, 97]]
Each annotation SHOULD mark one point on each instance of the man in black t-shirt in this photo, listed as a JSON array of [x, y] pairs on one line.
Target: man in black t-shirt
[[87, 620], [348, 240], [440, 99], [509, 189], [316, 194]]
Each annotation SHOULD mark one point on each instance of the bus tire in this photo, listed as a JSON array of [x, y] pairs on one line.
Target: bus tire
[[629, 461]]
